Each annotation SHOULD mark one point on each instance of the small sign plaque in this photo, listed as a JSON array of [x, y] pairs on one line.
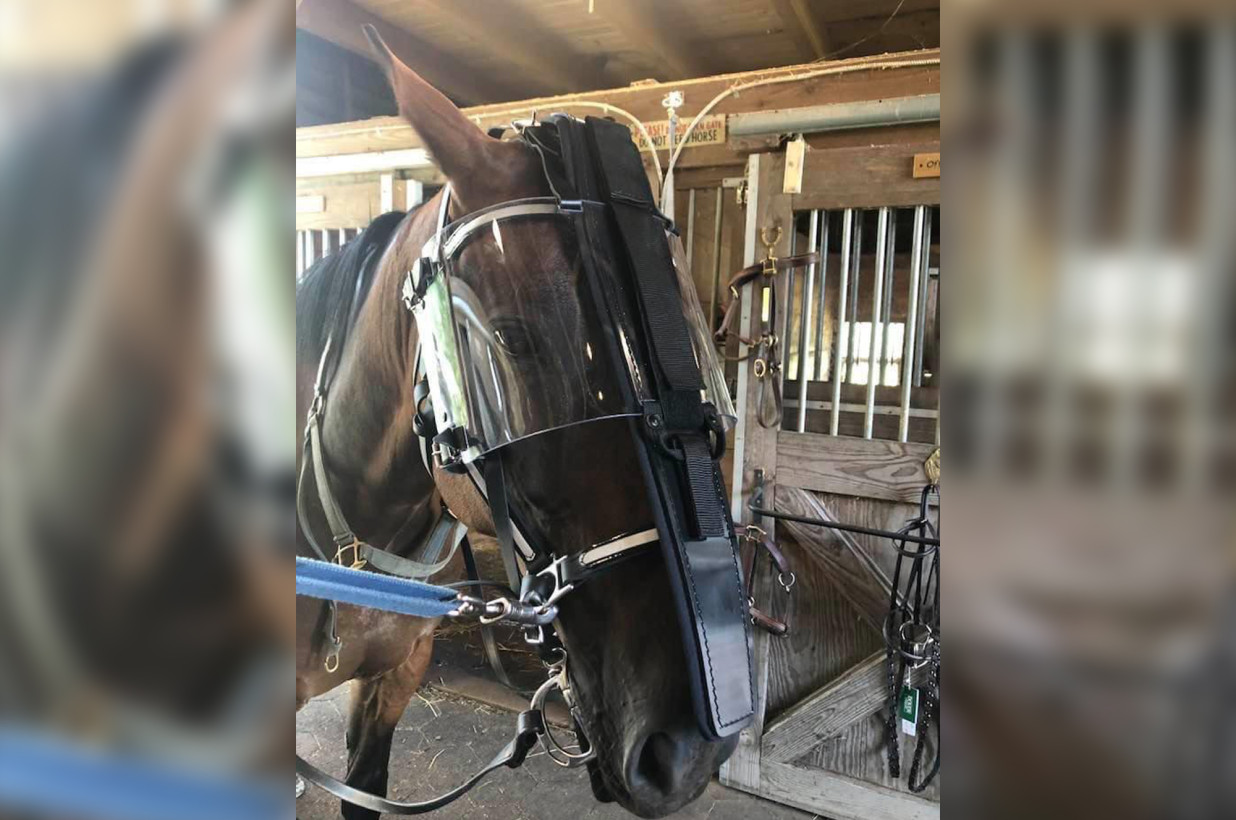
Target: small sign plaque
[[710, 131], [926, 165]]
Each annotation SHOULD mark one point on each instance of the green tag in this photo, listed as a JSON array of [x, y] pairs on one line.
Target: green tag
[[907, 709]]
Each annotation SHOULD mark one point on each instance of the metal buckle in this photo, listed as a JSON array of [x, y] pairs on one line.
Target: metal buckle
[[495, 610], [554, 570], [770, 258], [357, 561]]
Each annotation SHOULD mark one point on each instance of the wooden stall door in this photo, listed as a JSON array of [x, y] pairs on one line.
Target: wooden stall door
[[819, 740]]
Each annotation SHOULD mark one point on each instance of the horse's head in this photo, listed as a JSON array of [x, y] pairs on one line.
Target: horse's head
[[576, 485]]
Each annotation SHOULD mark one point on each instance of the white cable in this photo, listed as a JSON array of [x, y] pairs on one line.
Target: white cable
[[609, 109], [807, 75]]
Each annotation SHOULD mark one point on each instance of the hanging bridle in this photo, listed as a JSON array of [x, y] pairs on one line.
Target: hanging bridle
[[767, 365]]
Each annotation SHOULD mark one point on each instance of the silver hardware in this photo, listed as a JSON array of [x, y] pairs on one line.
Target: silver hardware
[[553, 749], [554, 570]]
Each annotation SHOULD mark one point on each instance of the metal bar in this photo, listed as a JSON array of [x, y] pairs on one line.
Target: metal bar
[[691, 233], [365, 163], [851, 407], [804, 331], [922, 300], [822, 314], [309, 250], [750, 237], [300, 256], [877, 300], [890, 256], [907, 356], [716, 258], [857, 268], [836, 525], [837, 116], [840, 355], [343, 237], [785, 333]]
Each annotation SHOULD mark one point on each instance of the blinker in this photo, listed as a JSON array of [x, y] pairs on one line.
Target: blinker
[[595, 269]]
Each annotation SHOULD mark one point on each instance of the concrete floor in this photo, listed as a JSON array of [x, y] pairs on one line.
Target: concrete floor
[[443, 738]]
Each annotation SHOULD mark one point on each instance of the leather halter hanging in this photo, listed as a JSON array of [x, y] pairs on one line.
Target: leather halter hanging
[[767, 367]]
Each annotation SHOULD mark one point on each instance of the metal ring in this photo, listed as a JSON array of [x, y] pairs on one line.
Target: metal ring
[[917, 661], [553, 749], [332, 668], [784, 584]]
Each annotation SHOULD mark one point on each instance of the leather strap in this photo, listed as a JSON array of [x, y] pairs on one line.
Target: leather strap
[[528, 727], [768, 623], [488, 641], [339, 529], [331, 611], [500, 511], [447, 533], [747, 275]]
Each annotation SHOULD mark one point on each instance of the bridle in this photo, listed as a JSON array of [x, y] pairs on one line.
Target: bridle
[[679, 438]]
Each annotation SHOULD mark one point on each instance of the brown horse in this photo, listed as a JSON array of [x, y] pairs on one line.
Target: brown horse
[[627, 659]]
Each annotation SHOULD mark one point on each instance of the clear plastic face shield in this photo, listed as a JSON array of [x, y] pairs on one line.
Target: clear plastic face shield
[[522, 333]]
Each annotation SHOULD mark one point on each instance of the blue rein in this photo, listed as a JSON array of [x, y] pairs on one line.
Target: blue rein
[[319, 579]]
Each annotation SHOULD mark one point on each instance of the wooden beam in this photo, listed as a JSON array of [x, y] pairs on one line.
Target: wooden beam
[[843, 465], [840, 797], [340, 22], [867, 177], [637, 20], [857, 694], [547, 60], [755, 447], [801, 28], [860, 580], [386, 133]]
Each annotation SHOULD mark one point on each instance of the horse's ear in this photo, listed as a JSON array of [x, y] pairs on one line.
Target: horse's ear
[[457, 144]]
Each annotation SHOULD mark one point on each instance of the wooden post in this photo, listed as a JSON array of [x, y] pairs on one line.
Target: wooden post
[[755, 448]]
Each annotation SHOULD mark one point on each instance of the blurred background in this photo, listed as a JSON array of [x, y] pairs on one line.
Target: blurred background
[[147, 436], [1089, 432], [146, 378]]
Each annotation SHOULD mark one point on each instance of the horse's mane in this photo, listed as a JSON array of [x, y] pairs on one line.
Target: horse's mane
[[329, 290]]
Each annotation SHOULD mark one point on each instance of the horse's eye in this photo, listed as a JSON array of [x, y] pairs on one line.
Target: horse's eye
[[515, 339]]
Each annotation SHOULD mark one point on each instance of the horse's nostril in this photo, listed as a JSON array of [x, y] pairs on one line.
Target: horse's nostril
[[659, 766]]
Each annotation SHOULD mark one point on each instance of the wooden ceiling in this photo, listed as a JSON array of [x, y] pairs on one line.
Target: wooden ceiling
[[480, 51]]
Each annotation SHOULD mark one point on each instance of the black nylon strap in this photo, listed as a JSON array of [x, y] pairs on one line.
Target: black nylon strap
[[528, 726], [495, 491], [701, 477], [643, 233], [488, 641]]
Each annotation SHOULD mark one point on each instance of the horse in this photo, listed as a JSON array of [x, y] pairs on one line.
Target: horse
[[628, 669]]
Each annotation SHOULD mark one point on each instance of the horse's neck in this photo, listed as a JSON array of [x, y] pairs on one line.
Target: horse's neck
[[367, 430]]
